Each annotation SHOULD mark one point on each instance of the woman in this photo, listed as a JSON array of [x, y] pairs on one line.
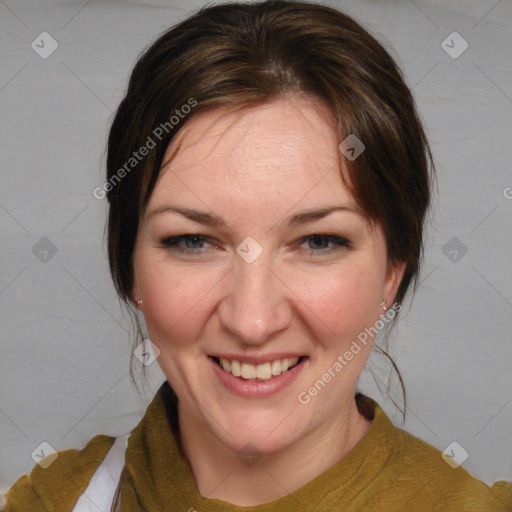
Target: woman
[[268, 179]]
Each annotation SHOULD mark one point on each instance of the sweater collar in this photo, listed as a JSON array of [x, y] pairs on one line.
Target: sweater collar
[[157, 477]]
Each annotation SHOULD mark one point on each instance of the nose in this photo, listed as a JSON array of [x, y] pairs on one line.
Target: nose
[[257, 302]]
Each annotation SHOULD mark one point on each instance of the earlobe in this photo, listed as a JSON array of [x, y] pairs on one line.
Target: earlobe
[[394, 276], [136, 301], [136, 297]]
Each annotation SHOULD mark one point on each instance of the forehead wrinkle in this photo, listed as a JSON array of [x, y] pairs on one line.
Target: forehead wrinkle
[[320, 111], [244, 133], [201, 137], [294, 101]]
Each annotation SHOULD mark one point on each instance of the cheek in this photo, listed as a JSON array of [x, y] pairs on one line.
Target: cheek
[[174, 301], [345, 301]]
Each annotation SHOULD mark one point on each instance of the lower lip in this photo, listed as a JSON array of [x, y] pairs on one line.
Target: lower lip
[[254, 388]]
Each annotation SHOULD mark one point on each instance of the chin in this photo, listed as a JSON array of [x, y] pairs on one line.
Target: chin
[[263, 436]]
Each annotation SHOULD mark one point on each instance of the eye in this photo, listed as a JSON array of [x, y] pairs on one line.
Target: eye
[[193, 243], [318, 244]]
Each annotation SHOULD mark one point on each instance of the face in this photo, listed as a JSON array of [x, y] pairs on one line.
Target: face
[[261, 279]]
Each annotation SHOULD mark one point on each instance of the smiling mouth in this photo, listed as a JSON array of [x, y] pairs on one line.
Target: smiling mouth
[[258, 372]]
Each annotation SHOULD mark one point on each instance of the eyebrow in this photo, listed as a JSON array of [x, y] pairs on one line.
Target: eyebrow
[[211, 219]]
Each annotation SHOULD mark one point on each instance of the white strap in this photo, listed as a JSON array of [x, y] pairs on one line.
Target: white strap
[[100, 492]]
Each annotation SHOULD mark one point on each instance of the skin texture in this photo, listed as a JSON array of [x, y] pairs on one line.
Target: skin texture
[[253, 168]]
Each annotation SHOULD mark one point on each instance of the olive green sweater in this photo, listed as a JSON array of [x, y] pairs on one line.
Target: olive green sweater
[[388, 470]]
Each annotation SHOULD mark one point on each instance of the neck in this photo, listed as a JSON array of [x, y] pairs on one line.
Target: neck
[[219, 474]]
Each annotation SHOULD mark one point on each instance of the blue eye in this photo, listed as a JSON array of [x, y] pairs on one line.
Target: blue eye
[[173, 242], [322, 240]]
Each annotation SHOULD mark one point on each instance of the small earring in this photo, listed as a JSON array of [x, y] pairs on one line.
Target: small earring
[[139, 302], [383, 305]]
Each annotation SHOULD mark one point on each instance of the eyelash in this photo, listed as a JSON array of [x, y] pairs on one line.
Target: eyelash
[[172, 242]]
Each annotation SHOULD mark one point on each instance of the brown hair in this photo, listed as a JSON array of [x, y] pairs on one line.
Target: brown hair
[[238, 55]]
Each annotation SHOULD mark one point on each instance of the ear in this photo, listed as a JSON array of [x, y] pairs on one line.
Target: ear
[[394, 274]]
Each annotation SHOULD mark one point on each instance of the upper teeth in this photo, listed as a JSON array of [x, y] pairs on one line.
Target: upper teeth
[[263, 371]]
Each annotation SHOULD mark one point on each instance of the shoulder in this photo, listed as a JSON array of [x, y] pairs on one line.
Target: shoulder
[[447, 485], [58, 485]]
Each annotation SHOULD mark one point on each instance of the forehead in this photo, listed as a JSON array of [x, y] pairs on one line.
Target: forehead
[[279, 152]]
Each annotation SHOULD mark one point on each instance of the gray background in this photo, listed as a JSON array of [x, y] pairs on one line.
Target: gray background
[[64, 339]]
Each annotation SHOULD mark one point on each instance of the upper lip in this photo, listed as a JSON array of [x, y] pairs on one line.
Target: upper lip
[[257, 359]]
